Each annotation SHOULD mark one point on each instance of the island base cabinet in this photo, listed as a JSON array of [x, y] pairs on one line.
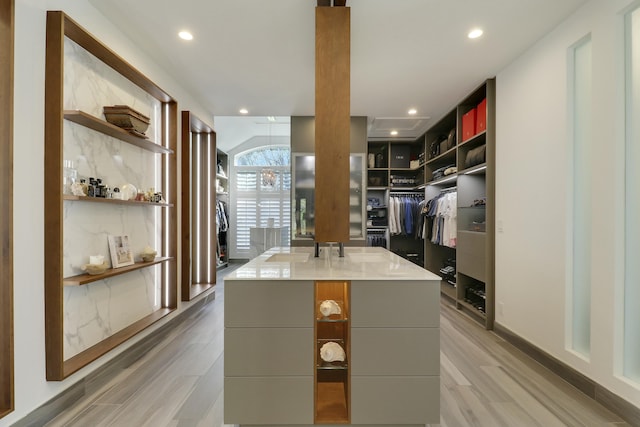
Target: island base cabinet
[[269, 400], [395, 400]]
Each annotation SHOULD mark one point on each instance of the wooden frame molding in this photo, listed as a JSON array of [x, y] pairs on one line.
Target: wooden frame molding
[[60, 26], [192, 126], [7, 24]]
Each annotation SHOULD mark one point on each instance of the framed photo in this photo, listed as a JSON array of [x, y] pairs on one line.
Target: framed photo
[[120, 251]]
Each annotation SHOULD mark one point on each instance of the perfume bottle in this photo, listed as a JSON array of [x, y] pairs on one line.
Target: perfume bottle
[[91, 188], [101, 189], [84, 186]]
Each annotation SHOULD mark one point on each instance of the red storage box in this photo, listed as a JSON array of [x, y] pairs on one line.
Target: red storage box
[[481, 116], [468, 124]]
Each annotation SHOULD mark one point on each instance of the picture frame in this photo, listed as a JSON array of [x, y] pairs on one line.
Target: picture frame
[[120, 251]]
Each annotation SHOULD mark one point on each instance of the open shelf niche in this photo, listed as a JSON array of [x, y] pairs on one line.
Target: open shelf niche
[[332, 377], [199, 238], [152, 161]]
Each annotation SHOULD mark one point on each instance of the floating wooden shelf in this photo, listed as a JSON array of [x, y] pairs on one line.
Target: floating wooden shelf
[[116, 201], [87, 120], [475, 139], [84, 279]]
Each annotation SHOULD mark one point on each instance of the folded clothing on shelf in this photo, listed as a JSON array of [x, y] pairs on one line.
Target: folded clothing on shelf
[[440, 172]]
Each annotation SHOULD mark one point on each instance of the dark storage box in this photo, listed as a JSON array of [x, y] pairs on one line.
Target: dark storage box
[[400, 156]]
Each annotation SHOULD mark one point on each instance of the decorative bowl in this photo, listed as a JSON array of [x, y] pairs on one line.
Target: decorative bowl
[[148, 256], [127, 118], [128, 191], [94, 269]]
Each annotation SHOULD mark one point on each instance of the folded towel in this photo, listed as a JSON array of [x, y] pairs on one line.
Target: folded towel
[[329, 307], [332, 352]]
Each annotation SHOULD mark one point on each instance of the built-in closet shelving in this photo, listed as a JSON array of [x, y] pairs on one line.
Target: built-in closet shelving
[[395, 169], [441, 143], [61, 28], [222, 190], [199, 238], [467, 270], [6, 207]]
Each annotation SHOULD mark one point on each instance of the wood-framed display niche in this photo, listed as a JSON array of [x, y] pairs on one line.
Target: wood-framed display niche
[[59, 28], [7, 398], [198, 228]]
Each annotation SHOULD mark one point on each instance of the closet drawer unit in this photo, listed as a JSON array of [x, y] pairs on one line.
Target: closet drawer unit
[[268, 304], [268, 352], [268, 400], [393, 351], [471, 254], [395, 400], [395, 304]]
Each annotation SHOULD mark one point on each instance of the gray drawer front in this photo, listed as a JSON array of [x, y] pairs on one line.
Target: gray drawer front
[[470, 255], [411, 351], [268, 304], [270, 400], [395, 400], [268, 352], [395, 304]]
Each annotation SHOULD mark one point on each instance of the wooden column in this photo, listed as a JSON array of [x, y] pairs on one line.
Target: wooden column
[[332, 125]]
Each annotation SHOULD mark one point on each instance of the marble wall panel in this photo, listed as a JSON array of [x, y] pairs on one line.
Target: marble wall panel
[[97, 310], [89, 85]]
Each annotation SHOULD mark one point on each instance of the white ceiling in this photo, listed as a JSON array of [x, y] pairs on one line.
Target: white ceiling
[[259, 54]]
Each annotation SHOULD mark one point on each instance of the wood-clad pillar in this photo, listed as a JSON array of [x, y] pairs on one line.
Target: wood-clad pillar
[[332, 125]]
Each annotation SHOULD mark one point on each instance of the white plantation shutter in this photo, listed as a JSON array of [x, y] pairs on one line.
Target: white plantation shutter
[[256, 203]]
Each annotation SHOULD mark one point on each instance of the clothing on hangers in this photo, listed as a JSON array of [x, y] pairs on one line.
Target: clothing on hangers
[[404, 214], [440, 224]]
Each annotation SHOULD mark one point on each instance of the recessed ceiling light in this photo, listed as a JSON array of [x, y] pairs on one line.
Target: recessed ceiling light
[[412, 112], [271, 118], [475, 33], [185, 35], [244, 111], [394, 132]]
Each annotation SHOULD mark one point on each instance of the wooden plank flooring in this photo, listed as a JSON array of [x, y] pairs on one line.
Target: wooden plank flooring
[[485, 382]]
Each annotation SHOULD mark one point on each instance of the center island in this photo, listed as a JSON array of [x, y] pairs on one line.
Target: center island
[[327, 340]]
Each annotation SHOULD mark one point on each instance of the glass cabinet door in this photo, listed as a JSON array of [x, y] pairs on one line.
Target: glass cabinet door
[[303, 197]]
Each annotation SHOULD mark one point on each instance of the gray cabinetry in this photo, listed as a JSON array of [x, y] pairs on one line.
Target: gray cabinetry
[[390, 330], [269, 352], [466, 266], [395, 400], [395, 353]]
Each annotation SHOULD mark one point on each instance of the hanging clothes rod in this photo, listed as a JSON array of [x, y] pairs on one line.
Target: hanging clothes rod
[[405, 193], [448, 189]]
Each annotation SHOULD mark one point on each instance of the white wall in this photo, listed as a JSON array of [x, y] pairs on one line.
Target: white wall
[[533, 257], [31, 389]]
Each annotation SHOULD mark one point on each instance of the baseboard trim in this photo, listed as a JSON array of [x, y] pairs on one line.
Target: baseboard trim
[[597, 392], [98, 378]]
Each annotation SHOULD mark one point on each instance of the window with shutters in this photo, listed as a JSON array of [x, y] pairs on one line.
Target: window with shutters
[[262, 186]]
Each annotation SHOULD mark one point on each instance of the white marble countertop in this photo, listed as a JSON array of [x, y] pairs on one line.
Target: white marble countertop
[[359, 263]]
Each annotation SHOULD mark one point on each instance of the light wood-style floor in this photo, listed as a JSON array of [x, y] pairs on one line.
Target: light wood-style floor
[[485, 382]]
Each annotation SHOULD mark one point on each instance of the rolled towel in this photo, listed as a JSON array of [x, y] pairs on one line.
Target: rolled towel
[[332, 352], [329, 307]]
